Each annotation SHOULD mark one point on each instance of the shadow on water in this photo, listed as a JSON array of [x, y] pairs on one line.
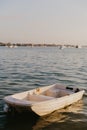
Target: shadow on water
[[65, 119], [23, 121]]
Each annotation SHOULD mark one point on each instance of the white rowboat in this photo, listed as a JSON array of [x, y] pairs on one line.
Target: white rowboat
[[44, 100]]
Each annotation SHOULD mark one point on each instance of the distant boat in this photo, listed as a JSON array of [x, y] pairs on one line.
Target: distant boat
[[78, 46], [11, 46], [44, 100], [62, 47]]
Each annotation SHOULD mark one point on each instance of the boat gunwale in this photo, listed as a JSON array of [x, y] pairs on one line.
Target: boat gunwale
[[22, 102]]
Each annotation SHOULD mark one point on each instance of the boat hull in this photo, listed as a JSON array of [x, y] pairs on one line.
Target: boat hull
[[40, 103], [48, 107]]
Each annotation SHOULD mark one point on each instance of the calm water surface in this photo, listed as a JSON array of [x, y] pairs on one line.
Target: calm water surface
[[24, 68]]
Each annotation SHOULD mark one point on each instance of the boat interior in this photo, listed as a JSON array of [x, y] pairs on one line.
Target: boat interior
[[43, 94], [55, 91]]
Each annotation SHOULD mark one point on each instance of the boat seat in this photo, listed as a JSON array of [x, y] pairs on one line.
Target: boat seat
[[38, 97], [52, 92], [56, 92]]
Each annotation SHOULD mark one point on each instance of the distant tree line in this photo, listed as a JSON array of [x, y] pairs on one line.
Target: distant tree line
[[32, 44]]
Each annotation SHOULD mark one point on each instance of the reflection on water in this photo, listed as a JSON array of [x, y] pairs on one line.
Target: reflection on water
[[61, 119]]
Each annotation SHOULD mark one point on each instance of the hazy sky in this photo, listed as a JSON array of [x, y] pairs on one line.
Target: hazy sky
[[43, 21]]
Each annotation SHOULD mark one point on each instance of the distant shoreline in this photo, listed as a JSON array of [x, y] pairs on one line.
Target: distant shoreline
[[40, 45]]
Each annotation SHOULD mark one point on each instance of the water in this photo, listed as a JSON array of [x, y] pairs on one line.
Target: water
[[24, 68]]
